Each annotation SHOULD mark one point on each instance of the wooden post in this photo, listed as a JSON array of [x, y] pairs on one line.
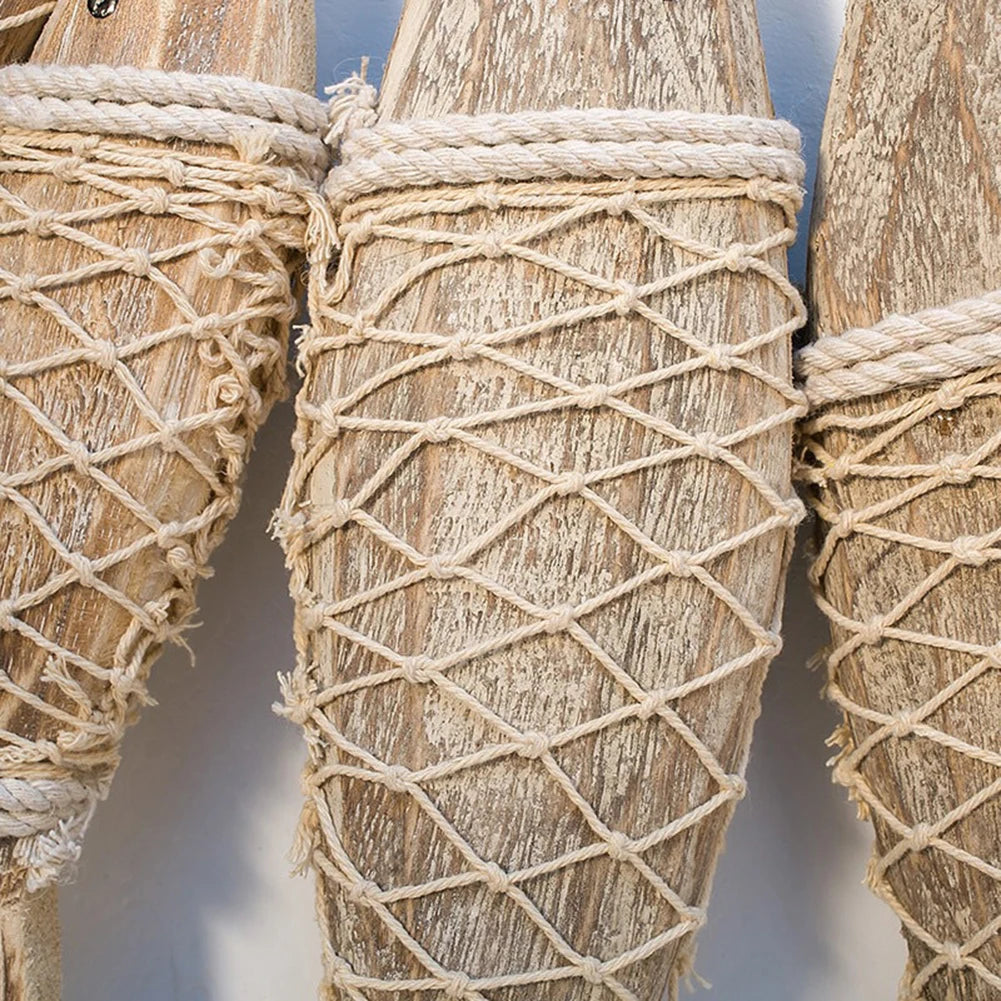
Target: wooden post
[[908, 216], [249, 38], [456, 56]]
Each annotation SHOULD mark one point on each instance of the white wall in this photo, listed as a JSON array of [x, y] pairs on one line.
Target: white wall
[[184, 890]]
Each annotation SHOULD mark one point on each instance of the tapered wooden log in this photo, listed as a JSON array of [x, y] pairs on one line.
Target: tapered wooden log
[[908, 216], [248, 39], [455, 56]]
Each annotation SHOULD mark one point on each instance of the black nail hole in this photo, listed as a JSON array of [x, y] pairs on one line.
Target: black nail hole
[[101, 8]]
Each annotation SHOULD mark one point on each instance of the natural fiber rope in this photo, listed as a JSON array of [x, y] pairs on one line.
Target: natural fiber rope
[[950, 351], [27, 16], [244, 211], [318, 702], [930, 346]]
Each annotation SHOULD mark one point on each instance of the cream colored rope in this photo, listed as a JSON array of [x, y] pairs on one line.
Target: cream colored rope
[[926, 349], [467, 225], [930, 346], [27, 16], [244, 209]]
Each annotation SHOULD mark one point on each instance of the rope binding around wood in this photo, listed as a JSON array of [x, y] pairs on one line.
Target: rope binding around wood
[[462, 185], [950, 358], [244, 183]]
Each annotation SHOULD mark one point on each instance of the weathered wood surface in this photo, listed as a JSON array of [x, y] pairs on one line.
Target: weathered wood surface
[[16, 43], [456, 56], [241, 37], [908, 216]]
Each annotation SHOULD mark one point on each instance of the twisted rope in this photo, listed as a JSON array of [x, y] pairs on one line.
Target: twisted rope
[[27, 16], [931, 346], [124, 101], [865, 488], [239, 217], [359, 350]]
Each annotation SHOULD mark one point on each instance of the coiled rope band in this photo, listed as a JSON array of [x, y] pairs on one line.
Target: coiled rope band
[[245, 212]]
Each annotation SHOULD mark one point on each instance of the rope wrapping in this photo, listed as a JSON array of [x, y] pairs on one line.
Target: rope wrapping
[[881, 477], [391, 394], [122, 442]]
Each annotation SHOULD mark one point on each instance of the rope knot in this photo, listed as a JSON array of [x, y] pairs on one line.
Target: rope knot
[[417, 669], [462, 346], [300, 707], [970, 551], [6, 616], [619, 205], [954, 469], [438, 430], [489, 197], [352, 106], [533, 745], [41, 223], [902, 724], [871, 632], [329, 419], [619, 846], [104, 354], [396, 778], [652, 705], [591, 970], [83, 568], [706, 445], [953, 953], [79, 456], [441, 567], [22, 288], [492, 246], [559, 619], [570, 483], [456, 985], [250, 231], [736, 258], [920, 837], [679, 563], [153, 201], [136, 262], [846, 522], [341, 513], [496, 878], [719, 357], [628, 299], [949, 397], [595, 395], [68, 169], [313, 617], [363, 890]]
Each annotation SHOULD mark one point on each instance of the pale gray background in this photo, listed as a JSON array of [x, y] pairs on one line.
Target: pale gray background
[[184, 890]]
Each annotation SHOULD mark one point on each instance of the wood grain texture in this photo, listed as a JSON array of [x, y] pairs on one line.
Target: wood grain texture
[[16, 43], [907, 216], [239, 37], [510, 55]]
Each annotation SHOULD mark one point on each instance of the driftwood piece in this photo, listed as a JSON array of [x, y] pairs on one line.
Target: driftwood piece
[[235, 37], [453, 56], [908, 216]]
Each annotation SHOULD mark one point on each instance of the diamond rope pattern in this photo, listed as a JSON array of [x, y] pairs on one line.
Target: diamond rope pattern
[[933, 720], [361, 577], [137, 360]]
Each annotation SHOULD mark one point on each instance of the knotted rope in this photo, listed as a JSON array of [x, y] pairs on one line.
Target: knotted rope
[[137, 360], [392, 394], [871, 461]]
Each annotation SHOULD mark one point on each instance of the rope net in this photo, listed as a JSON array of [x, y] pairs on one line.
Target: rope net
[[137, 358], [520, 768], [914, 647]]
